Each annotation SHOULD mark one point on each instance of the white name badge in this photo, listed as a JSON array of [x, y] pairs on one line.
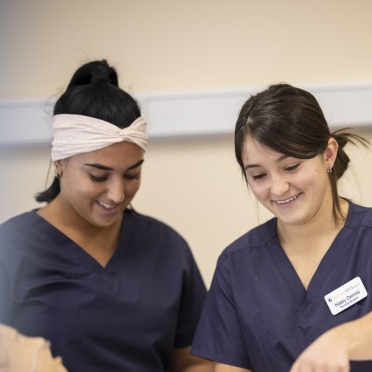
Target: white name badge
[[345, 296]]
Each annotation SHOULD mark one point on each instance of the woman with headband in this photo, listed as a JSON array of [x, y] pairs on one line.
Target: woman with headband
[[295, 293], [111, 289]]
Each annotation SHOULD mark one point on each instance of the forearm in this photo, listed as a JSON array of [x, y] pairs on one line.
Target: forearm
[[338, 346], [203, 367], [197, 365], [218, 367], [183, 361], [358, 333]]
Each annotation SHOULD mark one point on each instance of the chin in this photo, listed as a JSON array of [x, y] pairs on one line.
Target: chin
[[105, 222]]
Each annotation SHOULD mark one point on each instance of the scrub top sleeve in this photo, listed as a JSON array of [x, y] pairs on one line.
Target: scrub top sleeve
[[4, 294], [218, 336], [192, 301]]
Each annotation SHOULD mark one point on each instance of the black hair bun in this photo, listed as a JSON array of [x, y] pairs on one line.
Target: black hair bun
[[94, 72]]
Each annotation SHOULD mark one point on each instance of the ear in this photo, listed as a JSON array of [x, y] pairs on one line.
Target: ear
[[57, 164], [58, 170], [330, 153]]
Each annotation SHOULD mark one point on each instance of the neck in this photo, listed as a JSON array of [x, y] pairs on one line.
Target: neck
[[68, 221], [305, 245], [322, 225], [99, 242]]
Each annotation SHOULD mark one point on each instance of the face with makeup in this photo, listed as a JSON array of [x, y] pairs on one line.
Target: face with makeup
[[97, 186], [294, 190]]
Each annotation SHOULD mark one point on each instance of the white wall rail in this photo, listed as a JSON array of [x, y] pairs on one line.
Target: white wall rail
[[190, 113]]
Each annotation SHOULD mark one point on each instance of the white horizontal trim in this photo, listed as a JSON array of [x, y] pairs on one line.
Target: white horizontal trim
[[190, 113]]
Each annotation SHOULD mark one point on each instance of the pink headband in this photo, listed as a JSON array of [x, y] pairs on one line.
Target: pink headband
[[75, 134]]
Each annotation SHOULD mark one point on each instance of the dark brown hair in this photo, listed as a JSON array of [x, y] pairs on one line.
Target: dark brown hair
[[290, 121]]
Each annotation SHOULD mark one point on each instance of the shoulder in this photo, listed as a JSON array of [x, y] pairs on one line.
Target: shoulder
[[149, 229], [359, 216], [17, 235], [149, 222], [16, 225], [253, 242], [159, 242]]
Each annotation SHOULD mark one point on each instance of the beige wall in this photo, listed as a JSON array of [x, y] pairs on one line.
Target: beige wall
[[173, 45]]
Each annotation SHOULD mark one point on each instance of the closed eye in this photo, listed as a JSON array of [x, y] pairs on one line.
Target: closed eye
[[98, 179], [258, 177], [292, 168], [131, 177]]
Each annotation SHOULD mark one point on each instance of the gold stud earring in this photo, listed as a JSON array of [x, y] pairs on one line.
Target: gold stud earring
[[329, 169]]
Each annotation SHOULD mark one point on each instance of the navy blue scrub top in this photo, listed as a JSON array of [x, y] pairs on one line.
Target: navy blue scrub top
[[128, 316], [258, 314]]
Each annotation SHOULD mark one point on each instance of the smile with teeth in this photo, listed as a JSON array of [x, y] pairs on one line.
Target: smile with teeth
[[107, 205], [286, 201]]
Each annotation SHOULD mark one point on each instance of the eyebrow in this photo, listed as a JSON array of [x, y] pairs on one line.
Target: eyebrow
[[281, 158], [104, 167]]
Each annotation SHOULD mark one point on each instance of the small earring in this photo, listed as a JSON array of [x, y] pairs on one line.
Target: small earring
[[58, 173], [329, 169]]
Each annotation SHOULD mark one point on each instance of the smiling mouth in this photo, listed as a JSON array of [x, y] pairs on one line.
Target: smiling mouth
[[286, 201], [107, 205]]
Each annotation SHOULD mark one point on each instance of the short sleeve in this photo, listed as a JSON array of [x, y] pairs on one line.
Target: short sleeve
[[4, 294], [192, 301], [219, 336]]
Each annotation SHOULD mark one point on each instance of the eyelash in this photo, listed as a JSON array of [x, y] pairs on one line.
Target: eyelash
[[128, 177], [259, 177], [98, 179], [292, 168], [131, 177], [289, 169]]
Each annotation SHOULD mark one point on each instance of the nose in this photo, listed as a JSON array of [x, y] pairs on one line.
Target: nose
[[115, 190], [279, 186]]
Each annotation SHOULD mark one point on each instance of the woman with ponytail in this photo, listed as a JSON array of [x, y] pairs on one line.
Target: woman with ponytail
[[110, 288], [295, 293]]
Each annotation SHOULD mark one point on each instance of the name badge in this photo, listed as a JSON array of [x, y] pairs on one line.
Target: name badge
[[345, 296]]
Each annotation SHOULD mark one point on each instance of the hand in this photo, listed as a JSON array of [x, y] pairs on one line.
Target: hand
[[328, 353]]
